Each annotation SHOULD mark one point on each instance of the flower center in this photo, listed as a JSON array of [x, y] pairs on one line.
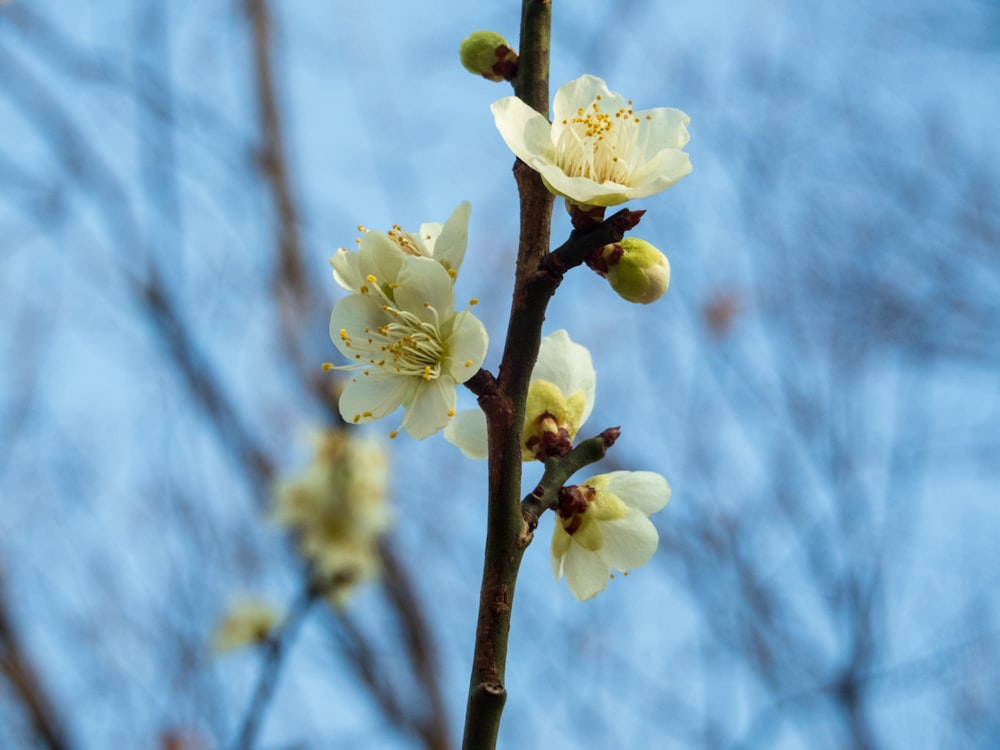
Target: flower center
[[572, 506], [601, 146], [549, 437], [406, 241], [406, 346]]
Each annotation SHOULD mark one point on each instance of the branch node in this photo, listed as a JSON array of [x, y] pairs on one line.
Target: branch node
[[610, 435]]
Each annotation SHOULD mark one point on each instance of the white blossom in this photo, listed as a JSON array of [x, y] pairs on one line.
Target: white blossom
[[602, 524], [560, 398], [406, 345], [381, 254], [598, 150]]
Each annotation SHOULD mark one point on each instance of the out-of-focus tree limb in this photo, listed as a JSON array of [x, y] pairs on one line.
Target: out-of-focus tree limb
[[419, 645], [26, 685], [273, 157]]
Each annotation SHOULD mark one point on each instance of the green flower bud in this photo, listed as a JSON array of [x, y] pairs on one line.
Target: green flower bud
[[487, 54], [635, 269]]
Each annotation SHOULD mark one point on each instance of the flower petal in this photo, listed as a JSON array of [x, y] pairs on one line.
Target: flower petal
[[561, 542], [345, 269], [424, 286], [582, 92], [380, 257], [646, 491], [466, 347], [432, 406], [661, 171], [663, 127], [526, 132], [369, 397], [583, 190], [467, 431], [449, 245], [429, 232], [568, 365], [353, 314], [629, 542], [586, 573]]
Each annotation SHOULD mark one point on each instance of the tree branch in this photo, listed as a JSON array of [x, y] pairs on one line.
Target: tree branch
[[505, 410], [273, 162], [558, 469], [276, 651], [26, 686]]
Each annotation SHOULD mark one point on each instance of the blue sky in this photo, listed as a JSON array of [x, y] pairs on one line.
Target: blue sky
[[831, 447]]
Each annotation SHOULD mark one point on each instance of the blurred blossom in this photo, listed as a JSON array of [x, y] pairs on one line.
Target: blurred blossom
[[598, 151], [180, 738], [247, 622], [721, 310], [337, 509], [602, 524], [560, 398]]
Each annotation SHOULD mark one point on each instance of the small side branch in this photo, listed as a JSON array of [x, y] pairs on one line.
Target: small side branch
[[575, 250], [558, 470]]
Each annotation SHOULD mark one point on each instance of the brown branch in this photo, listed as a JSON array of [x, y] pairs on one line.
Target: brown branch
[[25, 684], [273, 159], [538, 275], [276, 651], [434, 728], [206, 389], [558, 469], [505, 410]]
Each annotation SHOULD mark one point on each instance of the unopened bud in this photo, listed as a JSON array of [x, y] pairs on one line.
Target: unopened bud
[[487, 54], [634, 268]]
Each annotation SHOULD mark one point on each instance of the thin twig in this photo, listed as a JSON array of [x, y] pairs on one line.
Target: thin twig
[[276, 651], [558, 469]]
